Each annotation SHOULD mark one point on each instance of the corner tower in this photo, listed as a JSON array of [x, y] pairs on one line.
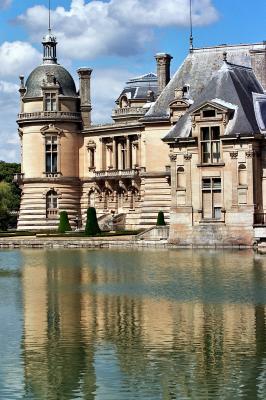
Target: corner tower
[[50, 124]]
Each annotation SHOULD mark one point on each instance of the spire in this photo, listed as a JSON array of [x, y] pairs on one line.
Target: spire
[[191, 27], [49, 44]]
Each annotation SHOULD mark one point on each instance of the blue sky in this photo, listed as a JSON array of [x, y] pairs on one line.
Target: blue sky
[[118, 39]]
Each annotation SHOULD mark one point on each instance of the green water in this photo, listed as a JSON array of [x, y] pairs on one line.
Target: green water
[[132, 324]]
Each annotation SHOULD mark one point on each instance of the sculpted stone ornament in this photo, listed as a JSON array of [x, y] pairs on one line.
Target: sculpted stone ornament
[[172, 157], [250, 154], [234, 155], [187, 156]]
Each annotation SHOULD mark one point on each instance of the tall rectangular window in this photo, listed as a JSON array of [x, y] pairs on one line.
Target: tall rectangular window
[[50, 101], [212, 198], [210, 145], [51, 152]]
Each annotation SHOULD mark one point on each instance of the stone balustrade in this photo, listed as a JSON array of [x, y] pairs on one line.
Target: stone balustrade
[[124, 173], [128, 111], [49, 115]]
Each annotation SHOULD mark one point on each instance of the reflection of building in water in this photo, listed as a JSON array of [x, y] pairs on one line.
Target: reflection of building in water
[[78, 304]]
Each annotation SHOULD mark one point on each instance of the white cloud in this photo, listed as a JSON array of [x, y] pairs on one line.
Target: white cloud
[[107, 85], [5, 3], [9, 107], [17, 57], [99, 28]]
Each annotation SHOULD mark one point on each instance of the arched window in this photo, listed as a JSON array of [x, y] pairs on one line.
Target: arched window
[[242, 175], [181, 178], [51, 204], [124, 102]]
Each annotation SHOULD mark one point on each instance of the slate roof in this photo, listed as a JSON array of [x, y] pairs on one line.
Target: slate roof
[[233, 87], [137, 88], [196, 71], [35, 80]]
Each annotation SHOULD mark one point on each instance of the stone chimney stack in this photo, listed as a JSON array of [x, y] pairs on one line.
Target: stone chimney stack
[[163, 70], [258, 63], [85, 95]]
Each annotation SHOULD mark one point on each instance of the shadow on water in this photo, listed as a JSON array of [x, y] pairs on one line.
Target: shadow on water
[[153, 324]]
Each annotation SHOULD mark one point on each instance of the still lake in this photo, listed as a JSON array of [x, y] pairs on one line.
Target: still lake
[[132, 325]]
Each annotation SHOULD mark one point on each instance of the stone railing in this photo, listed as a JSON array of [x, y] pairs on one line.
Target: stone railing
[[49, 115], [128, 111], [117, 173], [18, 178], [52, 212], [52, 174]]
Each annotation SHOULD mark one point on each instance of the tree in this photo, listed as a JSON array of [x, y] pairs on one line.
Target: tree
[[92, 228], [7, 172], [5, 205], [160, 219], [64, 224]]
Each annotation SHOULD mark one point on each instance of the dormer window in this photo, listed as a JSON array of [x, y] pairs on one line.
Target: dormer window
[[50, 101], [210, 145]]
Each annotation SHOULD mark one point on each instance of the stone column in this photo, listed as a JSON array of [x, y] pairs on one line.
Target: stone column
[[128, 153], [102, 155], [234, 156], [114, 154], [119, 155], [250, 155], [138, 152], [188, 158], [173, 180]]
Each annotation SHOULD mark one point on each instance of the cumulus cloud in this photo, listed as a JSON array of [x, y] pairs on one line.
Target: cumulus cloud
[[5, 3], [17, 57], [98, 28], [107, 84], [9, 106]]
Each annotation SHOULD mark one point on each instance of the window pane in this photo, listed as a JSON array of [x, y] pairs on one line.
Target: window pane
[[206, 154], [205, 133], [216, 183], [217, 212], [207, 204], [216, 152], [54, 162], [206, 183], [215, 130], [48, 163]]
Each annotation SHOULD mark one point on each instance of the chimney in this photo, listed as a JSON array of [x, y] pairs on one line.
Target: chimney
[[163, 70], [258, 63], [85, 95]]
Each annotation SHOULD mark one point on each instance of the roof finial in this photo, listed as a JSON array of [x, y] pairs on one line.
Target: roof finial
[[191, 27]]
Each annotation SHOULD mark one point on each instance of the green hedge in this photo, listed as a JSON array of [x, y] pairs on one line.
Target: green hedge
[[92, 228], [64, 225], [160, 219]]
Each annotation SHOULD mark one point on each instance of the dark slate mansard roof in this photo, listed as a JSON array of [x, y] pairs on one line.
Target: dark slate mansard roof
[[233, 86], [34, 82], [196, 71], [137, 88]]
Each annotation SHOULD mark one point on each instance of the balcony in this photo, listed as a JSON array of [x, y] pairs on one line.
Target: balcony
[[117, 173], [53, 174], [49, 115], [128, 112]]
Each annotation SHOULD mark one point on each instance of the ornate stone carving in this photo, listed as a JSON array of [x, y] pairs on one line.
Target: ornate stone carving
[[234, 155], [187, 156], [250, 153], [172, 157]]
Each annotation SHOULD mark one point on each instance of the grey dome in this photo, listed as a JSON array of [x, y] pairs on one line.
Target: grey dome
[[35, 80]]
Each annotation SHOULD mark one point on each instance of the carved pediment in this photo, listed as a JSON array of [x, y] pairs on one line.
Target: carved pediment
[[51, 129]]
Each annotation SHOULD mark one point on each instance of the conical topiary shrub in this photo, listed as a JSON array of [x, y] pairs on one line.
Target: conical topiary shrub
[[160, 219], [64, 224], [92, 228]]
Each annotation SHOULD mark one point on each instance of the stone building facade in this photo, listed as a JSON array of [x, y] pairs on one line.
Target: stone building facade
[[209, 117]]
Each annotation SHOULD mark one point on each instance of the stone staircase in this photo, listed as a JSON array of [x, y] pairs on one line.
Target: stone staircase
[[156, 193]]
